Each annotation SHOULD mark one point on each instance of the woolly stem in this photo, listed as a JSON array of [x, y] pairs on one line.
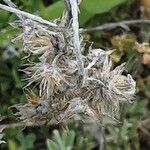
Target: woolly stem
[[28, 15], [76, 38]]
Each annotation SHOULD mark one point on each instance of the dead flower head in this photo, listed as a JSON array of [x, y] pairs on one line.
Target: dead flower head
[[49, 76], [90, 85]]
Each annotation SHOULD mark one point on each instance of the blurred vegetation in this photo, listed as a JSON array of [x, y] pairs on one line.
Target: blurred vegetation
[[134, 131]]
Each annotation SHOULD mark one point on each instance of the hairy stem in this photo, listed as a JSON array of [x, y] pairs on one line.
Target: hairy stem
[[28, 15], [76, 38]]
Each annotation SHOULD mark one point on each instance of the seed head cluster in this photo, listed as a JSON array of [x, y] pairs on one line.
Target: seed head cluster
[[54, 72]]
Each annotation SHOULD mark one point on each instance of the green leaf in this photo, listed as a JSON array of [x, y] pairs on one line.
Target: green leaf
[[69, 138], [79, 143], [53, 11], [125, 130], [58, 139], [84, 16], [6, 35], [138, 108], [61, 142], [26, 141], [88, 9], [35, 5], [100, 6], [4, 17], [12, 145], [51, 145], [30, 139]]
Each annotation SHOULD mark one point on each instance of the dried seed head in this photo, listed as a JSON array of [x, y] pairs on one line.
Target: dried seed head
[[116, 88], [61, 67], [49, 76]]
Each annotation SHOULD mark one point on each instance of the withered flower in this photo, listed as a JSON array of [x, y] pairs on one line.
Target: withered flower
[[69, 83], [49, 76]]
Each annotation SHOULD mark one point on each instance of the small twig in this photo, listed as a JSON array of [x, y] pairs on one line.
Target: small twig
[[67, 12], [9, 3], [113, 25], [27, 15], [76, 39]]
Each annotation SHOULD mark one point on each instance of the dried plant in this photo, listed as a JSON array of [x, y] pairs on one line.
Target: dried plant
[[70, 84]]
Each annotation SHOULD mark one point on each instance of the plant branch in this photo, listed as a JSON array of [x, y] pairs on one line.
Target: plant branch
[[113, 25], [76, 39], [11, 4], [27, 15]]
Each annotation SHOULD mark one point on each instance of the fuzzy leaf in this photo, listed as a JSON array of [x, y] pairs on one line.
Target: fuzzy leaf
[[52, 145]]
